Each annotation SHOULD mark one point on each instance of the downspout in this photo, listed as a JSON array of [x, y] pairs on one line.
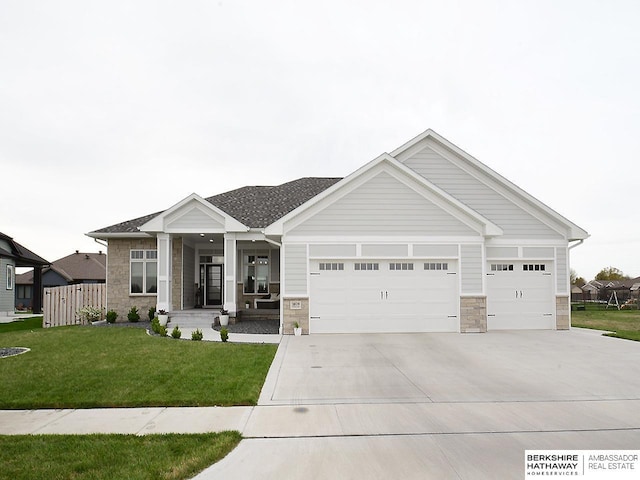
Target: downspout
[[97, 240]]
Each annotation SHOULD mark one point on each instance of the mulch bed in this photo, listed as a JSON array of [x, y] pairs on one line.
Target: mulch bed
[[12, 351]]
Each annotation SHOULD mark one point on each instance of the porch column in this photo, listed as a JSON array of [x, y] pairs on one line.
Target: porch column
[[38, 290], [230, 255], [164, 272]]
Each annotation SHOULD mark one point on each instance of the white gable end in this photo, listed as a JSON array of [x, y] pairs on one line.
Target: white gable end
[[193, 215], [514, 220], [384, 205], [193, 218]]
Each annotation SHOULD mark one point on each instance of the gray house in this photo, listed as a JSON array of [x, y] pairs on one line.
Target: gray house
[[13, 255], [423, 239]]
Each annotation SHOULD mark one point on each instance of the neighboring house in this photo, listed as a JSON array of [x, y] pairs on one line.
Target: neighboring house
[[424, 239], [601, 290], [13, 255], [75, 268]]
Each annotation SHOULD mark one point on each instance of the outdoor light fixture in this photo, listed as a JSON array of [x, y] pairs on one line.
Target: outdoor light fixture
[[202, 234]]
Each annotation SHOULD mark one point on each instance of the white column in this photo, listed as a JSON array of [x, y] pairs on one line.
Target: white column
[[164, 272], [230, 255]]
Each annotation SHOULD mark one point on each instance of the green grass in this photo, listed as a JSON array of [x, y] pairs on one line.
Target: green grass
[[31, 323], [623, 323], [87, 367], [110, 457]]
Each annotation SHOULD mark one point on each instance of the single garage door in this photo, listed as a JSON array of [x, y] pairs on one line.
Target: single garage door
[[520, 295], [353, 296]]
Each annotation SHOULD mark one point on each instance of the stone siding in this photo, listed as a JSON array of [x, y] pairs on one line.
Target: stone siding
[[473, 314], [118, 297], [563, 313], [298, 315]]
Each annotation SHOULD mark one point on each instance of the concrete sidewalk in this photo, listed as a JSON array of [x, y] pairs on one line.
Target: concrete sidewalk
[[314, 421]]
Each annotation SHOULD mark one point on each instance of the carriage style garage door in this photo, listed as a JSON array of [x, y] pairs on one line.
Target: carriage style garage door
[[370, 296], [520, 295]]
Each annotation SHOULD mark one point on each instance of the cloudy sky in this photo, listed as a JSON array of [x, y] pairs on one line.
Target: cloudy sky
[[116, 109]]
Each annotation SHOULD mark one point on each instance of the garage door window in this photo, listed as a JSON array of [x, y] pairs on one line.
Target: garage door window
[[501, 267], [401, 266], [366, 266], [536, 267], [436, 266], [331, 266]]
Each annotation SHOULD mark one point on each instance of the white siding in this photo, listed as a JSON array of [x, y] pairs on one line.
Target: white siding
[[471, 268], [383, 206], [562, 269], [193, 218], [295, 269], [515, 222]]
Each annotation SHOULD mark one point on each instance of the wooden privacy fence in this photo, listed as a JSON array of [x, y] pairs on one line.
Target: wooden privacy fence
[[61, 304]]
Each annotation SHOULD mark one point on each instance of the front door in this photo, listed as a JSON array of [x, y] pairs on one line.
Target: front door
[[211, 278]]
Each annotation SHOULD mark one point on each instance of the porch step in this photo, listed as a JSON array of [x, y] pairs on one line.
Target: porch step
[[200, 318]]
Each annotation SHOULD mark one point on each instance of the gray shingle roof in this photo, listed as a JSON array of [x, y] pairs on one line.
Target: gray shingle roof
[[22, 256], [74, 268], [254, 206]]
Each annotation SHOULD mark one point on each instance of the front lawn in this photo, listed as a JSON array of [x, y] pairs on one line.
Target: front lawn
[[107, 457], [87, 367], [624, 323]]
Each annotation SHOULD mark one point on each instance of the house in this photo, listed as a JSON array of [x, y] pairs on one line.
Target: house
[[423, 239], [601, 290], [70, 270], [13, 255]]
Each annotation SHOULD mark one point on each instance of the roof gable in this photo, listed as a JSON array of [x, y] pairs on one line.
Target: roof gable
[[492, 180], [193, 215], [429, 197]]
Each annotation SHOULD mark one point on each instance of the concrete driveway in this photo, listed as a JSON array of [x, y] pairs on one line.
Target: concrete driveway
[[437, 405]]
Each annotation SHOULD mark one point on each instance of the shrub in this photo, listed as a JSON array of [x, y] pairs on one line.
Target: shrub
[[90, 314], [133, 315], [111, 316], [155, 325], [162, 330], [176, 333], [224, 334], [196, 335], [152, 313]]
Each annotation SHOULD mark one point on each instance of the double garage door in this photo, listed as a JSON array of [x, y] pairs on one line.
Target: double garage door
[[372, 296], [520, 295]]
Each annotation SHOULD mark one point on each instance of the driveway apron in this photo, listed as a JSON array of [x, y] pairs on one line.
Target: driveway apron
[[436, 405]]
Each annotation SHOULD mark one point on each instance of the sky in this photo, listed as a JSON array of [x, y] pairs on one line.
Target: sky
[[114, 110]]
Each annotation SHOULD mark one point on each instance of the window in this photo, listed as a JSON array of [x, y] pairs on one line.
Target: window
[[23, 291], [501, 267], [538, 267], [10, 277], [436, 266], [401, 266], [332, 266], [255, 271], [144, 271], [366, 266]]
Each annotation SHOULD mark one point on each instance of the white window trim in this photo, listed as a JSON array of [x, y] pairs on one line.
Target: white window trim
[[256, 252], [144, 260], [10, 277]]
